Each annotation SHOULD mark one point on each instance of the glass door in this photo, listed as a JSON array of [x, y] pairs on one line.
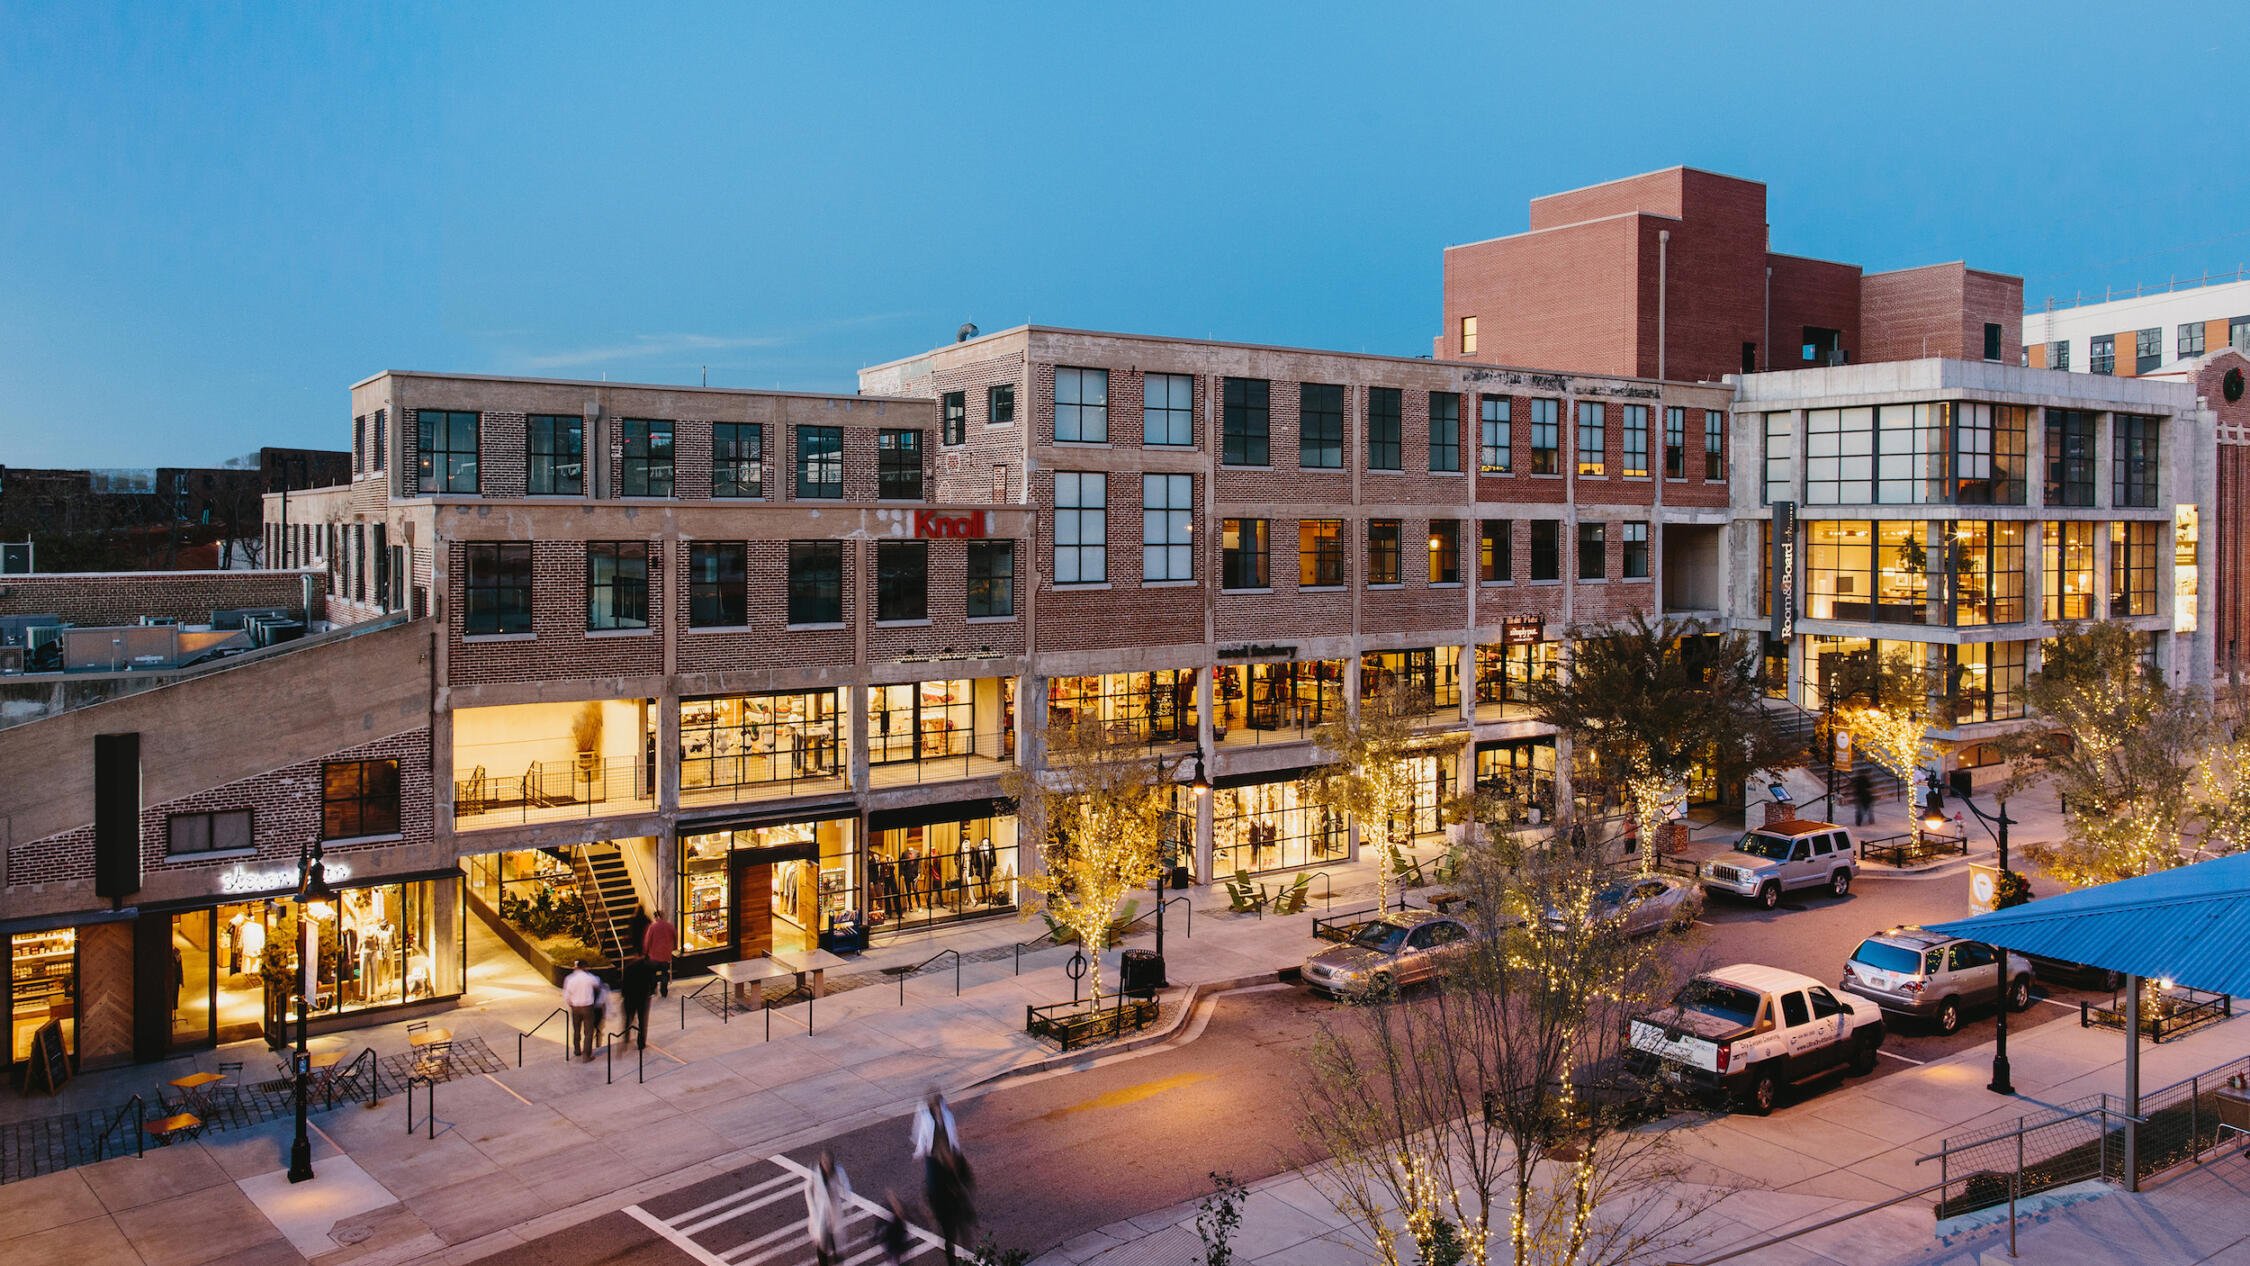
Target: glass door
[[194, 980]]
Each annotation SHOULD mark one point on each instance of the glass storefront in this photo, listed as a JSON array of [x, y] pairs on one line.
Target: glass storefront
[[1153, 707], [1523, 770], [932, 720], [218, 989], [1430, 675], [43, 986], [937, 872], [738, 741], [1505, 670], [1293, 695], [1433, 786], [748, 890], [1273, 826]]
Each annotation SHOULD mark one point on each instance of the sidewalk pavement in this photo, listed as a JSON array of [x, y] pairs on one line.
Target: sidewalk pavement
[[528, 1151], [1838, 1151]]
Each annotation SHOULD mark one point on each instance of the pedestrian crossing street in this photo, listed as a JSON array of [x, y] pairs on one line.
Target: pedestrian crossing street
[[762, 1223]]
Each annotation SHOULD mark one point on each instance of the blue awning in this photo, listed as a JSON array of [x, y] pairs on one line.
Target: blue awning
[[2190, 925]]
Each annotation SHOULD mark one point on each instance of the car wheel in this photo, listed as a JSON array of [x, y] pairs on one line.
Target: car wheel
[[1770, 896], [1863, 1057], [1949, 1017], [2019, 994], [1764, 1092], [1382, 985], [1840, 883]]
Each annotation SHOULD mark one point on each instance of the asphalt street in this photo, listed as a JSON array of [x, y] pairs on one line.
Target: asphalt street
[[1064, 1153]]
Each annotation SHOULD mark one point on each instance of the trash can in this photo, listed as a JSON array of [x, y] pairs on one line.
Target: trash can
[[1140, 973]]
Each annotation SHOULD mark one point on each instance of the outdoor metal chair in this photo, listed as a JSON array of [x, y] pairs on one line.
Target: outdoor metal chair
[[434, 1061]]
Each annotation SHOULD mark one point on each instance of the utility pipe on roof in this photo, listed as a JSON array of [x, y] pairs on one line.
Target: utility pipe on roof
[[1663, 259]]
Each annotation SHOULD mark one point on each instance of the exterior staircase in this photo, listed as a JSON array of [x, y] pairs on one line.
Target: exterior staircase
[[1803, 729], [607, 889]]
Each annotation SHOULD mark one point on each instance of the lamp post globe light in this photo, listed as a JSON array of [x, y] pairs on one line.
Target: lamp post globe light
[[1998, 825], [312, 890], [1201, 786]]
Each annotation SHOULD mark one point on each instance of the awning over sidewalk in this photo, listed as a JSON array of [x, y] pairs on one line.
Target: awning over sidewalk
[[2190, 925]]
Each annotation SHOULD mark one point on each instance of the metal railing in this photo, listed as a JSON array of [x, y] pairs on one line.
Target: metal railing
[[1825, 1223], [139, 1109], [903, 972], [417, 1079], [1327, 890], [1910, 850], [990, 755], [610, 1043], [1189, 933], [2176, 1012], [550, 790], [2111, 293], [685, 998], [1021, 946], [2083, 1140], [564, 1011]]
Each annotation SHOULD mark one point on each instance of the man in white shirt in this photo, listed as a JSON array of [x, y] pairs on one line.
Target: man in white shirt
[[582, 993], [933, 1121]]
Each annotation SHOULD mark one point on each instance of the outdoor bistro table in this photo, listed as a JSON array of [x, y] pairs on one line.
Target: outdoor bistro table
[[753, 972], [195, 1088], [813, 963], [427, 1036]]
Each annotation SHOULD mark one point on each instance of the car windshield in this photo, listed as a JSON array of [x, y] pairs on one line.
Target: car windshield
[[1728, 1002], [1380, 936], [1886, 957], [1613, 896], [1770, 847]]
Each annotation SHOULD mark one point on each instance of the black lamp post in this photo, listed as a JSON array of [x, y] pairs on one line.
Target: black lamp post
[[1997, 826], [312, 887], [1201, 786]]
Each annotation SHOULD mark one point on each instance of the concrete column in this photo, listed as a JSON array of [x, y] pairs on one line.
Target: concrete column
[[2132, 1082], [855, 702], [1206, 813]]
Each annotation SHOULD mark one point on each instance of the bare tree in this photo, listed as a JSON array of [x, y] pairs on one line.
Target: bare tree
[[1100, 812], [1495, 1114], [1370, 771]]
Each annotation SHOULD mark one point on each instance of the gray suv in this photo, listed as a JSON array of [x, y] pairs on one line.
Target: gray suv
[[1784, 855], [1910, 972]]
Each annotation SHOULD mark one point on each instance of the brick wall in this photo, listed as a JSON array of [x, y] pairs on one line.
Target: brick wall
[[1917, 312], [1814, 292], [560, 647], [102, 598]]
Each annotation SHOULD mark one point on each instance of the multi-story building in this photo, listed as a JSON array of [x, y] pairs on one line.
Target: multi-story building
[[2142, 333]]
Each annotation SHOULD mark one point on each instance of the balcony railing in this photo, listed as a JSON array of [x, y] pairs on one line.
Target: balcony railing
[[553, 791], [928, 760]]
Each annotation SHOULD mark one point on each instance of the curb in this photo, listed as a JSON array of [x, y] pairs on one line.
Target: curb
[[1080, 1060]]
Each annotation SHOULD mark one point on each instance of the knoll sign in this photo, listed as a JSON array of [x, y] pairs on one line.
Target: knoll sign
[[949, 524]]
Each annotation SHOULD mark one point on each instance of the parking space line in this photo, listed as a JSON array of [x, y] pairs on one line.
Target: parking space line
[[1903, 1059], [2057, 1002]]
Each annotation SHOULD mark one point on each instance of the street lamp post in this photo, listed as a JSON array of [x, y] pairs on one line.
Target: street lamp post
[[1201, 785], [312, 887], [1998, 826]]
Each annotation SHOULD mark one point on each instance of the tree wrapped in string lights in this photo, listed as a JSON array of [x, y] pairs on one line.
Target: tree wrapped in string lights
[[1370, 770]]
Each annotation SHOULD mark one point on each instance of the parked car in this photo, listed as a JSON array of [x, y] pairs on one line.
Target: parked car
[[1390, 951], [1782, 856], [1930, 976], [1643, 903], [2076, 975], [1746, 1031]]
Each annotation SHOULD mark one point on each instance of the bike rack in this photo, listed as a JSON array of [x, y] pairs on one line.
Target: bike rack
[[609, 1057], [522, 1034]]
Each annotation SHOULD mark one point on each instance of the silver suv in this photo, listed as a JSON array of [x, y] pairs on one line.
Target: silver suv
[[1781, 856], [1928, 976]]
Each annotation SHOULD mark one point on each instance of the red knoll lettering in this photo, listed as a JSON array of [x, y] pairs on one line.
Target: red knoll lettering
[[934, 524]]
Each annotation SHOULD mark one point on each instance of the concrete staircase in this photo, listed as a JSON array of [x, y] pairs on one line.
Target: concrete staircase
[[1802, 729]]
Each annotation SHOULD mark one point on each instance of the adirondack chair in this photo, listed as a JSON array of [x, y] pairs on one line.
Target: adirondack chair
[[1245, 897], [1293, 898]]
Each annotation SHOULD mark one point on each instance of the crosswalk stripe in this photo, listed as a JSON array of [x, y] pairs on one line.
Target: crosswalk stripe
[[778, 1234], [729, 1198], [677, 1240], [736, 1212]]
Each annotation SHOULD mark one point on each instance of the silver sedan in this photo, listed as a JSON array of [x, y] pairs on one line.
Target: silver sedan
[[1643, 903]]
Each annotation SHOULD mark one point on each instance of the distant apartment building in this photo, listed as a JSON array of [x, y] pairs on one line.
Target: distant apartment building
[[2140, 334], [168, 517]]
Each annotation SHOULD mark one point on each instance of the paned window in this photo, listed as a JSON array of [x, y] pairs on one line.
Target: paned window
[[1636, 441], [647, 471], [2101, 355], [2132, 568], [2058, 354], [718, 585], [1546, 549], [1320, 426], [1445, 551], [992, 579], [1168, 409], [738, 459], [616, 585], [1243, 554], [496, 591], [1320, 553], [1495, 436], [1988, 453], [1987, 572], [816, 582], [1082, 406], [953, 415], [1445, 431], [1714, 444], [445, 451], [1633, 550], [2133, 467], [1081, 528], [1000, 404], [1675, 442], [898, 465], [1167, 527], [1593, 551], [1384, 427], [1593, 432], [555, 455], [1986, 682], [1866, 571], [2148, 350], [1546, 437], [1496, 559], [226, 831], [2070, 457], [1246, 422], [358, 798], [2191, 339], [1781, 464], [2068, 591], [902, 580], [382, 437], [820, 463], [1382, 552], [1468, 336], [2238, 333]]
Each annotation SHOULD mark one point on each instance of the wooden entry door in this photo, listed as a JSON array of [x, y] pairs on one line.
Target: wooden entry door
[[753, 908]]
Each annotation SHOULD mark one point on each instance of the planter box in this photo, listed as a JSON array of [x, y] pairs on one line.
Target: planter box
[[1076, 1024]]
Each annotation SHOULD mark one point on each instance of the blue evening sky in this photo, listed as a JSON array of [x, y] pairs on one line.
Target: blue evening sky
[[214, 219]]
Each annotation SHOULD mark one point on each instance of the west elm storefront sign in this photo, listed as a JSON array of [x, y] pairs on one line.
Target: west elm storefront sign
[[242, 879]]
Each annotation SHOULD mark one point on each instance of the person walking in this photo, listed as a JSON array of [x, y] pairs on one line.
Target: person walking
[[933, 1123], [897, 1241], [637, 987], [950, 1182], [582, 993], [657, 943], [1863, 799], [827, 1194]]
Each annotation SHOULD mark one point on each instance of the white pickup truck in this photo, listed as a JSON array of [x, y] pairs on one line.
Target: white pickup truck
[[1746, 1031]]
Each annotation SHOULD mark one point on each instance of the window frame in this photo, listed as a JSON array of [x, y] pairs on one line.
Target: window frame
[[1593, 548], [1167, 527], [953, 418], [540, 455], [1085, 520], [1634, 442], [1320, 429], [1177, 419], [1386, 429], [729, 464], [1591, 431], [496, 570], [718, 585], [2136, 461], [902, 582], [374, 804], [1496, 439], [2191, 338], [1546, 458], [1714, 445], [1000, 404], [209, 822], [1496, 551], [1383, 554], [1246, 423], [1445, 552], [991, 590], [1550, 553], [1088, 418], [1633, 550], [1320, 554], [1445, 432], [430, 457], [2148, 350], [1245, 554], [816, 576], [1468, 336], [2101, 354], [643, 471], [827, 457], [1675, 441], [900, 471], [618, 582]]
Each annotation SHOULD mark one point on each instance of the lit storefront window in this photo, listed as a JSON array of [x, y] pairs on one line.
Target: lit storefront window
[[938, 872], [1153, 707], [1523, 770], [1273, 826], [1291, 695], [1431, 676], [751, 890], [923, 720], [740, 741], [2068, 591], [43, 968], [1505, 672]]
